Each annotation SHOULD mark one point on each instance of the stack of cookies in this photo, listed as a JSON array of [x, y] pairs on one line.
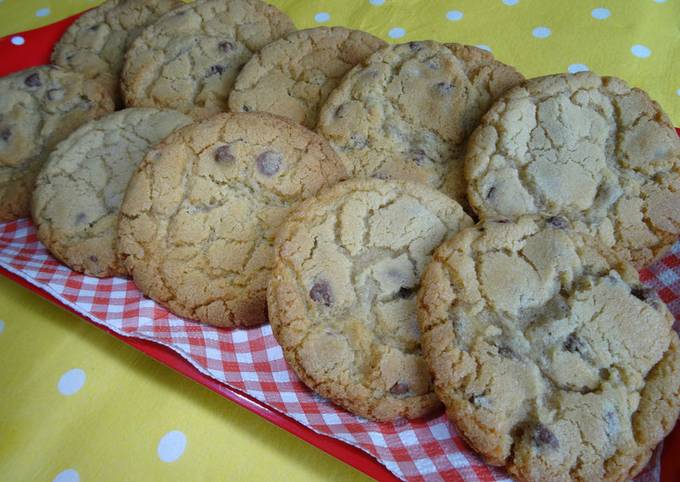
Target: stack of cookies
[[419, 223]]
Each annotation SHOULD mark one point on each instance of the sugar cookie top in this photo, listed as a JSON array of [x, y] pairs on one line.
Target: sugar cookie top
[[39, 107], [585, 147], [548, 353], [96, 42], [198, 220], [188, 59], [293, 76], [79, 191], [406, 111], [342, 295]]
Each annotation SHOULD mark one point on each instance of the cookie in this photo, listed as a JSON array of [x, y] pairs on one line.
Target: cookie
[[342, 294], [96, 42], [406, 111], [550, 356], [199, 217], [584, 147], [79, 191], [188, 59], [39, 107], [293, 76]]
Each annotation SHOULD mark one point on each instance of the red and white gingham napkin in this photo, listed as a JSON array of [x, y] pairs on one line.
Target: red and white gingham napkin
[[251, 361]]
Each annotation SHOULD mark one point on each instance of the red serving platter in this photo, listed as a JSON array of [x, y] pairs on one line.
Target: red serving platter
[[35, 51]]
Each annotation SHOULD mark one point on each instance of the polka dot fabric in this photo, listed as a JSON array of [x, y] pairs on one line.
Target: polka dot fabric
[[638, 41]]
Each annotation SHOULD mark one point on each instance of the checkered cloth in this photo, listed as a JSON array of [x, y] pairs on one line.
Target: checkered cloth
[[251, 361]]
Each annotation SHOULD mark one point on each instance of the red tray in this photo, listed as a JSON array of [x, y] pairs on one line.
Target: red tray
[[41, 41]]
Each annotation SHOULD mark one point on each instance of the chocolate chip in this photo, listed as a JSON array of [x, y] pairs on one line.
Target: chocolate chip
[[444, 88], [246, 108], [415, 46], [543, 437], [558, 222], [434, 64], [216, 70], [5, 134], [501, 221], [480, 401], [226, 46], [321, 292], [574, 344], [339, 111], [612, 426], [405, 292], [643, 293], [507, 352], [80, 218], [381, 175], [419, 156], [94, 259], [33, 80], [490, 192], [400, 388], [55, 94], [223, 154], [94, 28], [269, 163]]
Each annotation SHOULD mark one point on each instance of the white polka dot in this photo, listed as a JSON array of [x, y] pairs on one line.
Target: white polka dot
[[600, 13], [43, 12], [640, 51], [396, 32], [17, 40], [172, 445], [376, 2], [454, 15], [511, 2], [2, 326], [71, 381], [573, 68], [541, 32], [677, 91], [68, 475], [322, 17], [483, 47]]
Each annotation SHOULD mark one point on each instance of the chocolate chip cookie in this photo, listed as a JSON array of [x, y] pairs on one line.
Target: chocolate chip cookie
[[96, 42], [39, 107], [550, 356], [293, 76], [406, 111], [585, 147], [342, 294], [189, 58], [78, 192], [198, 220]]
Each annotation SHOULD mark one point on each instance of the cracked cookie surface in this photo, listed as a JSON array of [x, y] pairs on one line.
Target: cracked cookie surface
[[342, 294], [79, 191], [587, 148], [96, 42], [406, 111], [198, 221], [39, 107], [188, 60], [293, 76], [550, 356]]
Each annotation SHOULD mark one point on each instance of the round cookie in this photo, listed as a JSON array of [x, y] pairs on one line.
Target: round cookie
[[79, 191], [550, 356], [39, 107], [293, 76], [198, 221], [406, 111], [342, 293], [585, 147], [188, 60], [96, 42]]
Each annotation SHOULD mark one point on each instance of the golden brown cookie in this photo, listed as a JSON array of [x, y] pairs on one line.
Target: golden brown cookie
[[199, 217], [342, 294], [585, 147], [550, 356], [293, 76]]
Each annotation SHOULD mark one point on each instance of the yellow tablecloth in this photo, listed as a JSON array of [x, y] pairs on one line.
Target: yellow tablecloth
[[77, 404]]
